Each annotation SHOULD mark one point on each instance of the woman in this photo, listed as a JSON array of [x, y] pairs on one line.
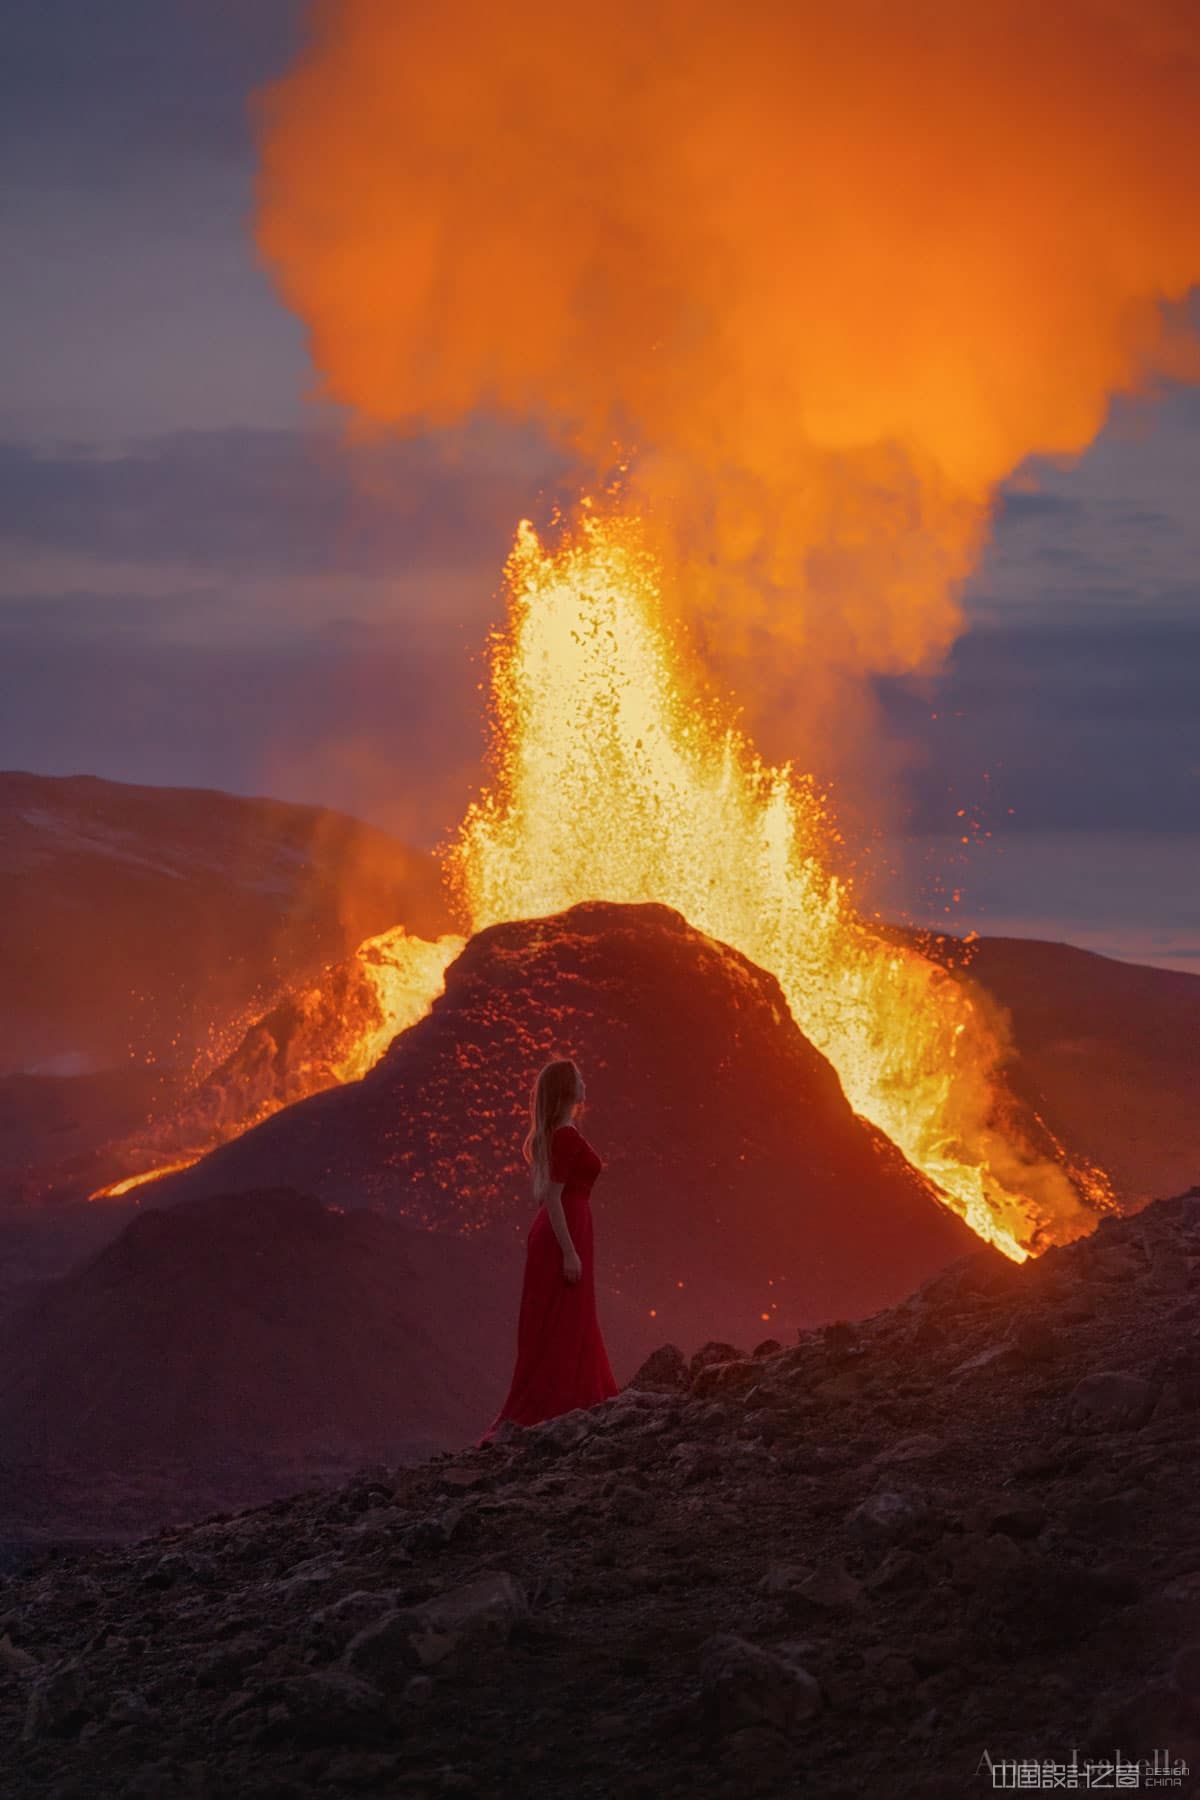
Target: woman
[[561, 1359]]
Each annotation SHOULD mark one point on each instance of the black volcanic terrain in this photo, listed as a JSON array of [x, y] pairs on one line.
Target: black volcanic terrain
[[844, 1567], [740, 1193], [255, 1319], [221, 1349]]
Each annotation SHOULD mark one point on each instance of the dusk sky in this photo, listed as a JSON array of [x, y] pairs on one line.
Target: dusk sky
[[204, 586]]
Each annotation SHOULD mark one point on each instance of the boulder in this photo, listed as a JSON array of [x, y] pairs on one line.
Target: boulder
[[665, 1371], [733, 1377], [713, 1352], [1110, 1400], [743, 1684], [887, 1515]]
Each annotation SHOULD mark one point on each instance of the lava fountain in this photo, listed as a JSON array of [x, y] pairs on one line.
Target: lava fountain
[[614, 779]]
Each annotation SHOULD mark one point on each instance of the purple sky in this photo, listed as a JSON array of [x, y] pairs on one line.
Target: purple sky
[[200, 587]]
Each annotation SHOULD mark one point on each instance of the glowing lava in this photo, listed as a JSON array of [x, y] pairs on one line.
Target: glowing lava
[[316, 1038], [405, 975], [614, 780], [116, 1188]]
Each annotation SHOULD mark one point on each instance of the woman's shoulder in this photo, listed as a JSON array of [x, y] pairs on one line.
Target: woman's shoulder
[[558, 1129]]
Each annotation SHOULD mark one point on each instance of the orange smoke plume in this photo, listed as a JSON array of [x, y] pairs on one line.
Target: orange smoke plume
[[829, 272]]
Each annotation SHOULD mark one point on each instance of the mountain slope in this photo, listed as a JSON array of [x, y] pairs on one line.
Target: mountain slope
[[1109, 1052], [217, 1351], [148, 920], [740, 1193], [846, 1568], [264, 1322]]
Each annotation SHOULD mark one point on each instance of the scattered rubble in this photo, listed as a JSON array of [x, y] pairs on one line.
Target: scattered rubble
[[744, 1576]]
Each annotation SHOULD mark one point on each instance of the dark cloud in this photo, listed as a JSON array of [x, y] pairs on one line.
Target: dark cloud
[[1182, 404], [1017, 504], [132, 300], [51, 618], [1087, 725], [274, 501]]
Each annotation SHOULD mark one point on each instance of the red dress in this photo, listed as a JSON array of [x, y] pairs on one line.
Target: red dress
[[561, 1358]]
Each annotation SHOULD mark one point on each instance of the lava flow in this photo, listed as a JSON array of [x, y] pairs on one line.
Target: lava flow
[[315, 1038]]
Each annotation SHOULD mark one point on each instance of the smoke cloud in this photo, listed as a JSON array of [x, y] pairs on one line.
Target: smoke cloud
[[826, 273]]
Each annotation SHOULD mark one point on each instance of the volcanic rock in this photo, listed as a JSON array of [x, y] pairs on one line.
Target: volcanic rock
[[1111, 1400], [744, 1684], [776, 1205], [256, 1326], [527, 1620], [887, 1515], [664, 1371]]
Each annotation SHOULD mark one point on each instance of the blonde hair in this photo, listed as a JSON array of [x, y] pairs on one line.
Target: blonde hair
[[553, 1092]]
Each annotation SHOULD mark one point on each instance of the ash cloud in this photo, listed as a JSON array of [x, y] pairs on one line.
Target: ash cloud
[[830, 276]]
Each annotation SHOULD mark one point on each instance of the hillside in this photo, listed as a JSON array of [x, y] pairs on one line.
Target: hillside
[[155, 936], [224, 1344], [146, 921], [1110, 1054], [846, 1566], [740, 1194]]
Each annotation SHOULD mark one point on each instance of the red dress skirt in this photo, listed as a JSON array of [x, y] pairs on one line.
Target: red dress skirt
[[561, 1358]]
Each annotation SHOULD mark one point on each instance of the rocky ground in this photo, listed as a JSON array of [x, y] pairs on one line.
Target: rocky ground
[[56, 1505], [220, 1353], [843, 1567]]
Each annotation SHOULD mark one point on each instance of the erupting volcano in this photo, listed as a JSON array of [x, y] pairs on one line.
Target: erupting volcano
[[716, 505], [818, 287], [614, 779]]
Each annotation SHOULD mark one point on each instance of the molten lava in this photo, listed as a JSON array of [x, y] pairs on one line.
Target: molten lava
[[615, 781], [115, 1189], [317, 1038], [404, 975]]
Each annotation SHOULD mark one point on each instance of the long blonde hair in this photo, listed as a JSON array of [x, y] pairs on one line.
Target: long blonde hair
[[553, 1092]]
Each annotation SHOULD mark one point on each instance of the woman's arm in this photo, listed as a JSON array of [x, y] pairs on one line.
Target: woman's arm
[[562, 1155], [558, 1218]]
